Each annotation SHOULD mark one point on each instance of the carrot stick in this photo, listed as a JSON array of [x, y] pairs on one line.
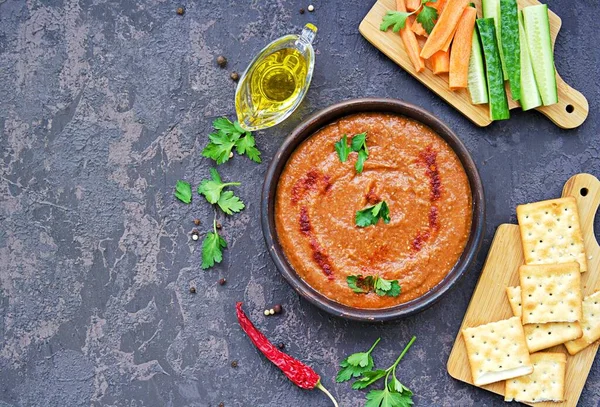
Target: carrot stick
[[440, 62], [444, 27], [410, 40], [412, 5], [461, 49], [446, 45], [418, 28]]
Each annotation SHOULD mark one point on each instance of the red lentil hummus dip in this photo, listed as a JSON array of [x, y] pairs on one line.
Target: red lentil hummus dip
[[409, 167]]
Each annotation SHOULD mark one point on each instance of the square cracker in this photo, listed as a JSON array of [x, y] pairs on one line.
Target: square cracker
[[546, 383], [590, 324], [550, 293], [497, 351], [551, 232], [542, 336]]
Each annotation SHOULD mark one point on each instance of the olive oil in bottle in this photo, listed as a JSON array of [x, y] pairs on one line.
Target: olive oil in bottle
[[276, 81]]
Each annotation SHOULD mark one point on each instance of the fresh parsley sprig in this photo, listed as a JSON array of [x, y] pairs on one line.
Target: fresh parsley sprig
[[227, 136], [212, 190], [356, 364], [376, 284], [371, 215], [358, 145], [212, 247], [397, 19], [183, 191], [394, 393]]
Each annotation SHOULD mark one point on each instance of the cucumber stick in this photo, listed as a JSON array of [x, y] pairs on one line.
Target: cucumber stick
[[530, 96], [537, 32], [511, 50], [477, 81], [491, 9], [497, 94]]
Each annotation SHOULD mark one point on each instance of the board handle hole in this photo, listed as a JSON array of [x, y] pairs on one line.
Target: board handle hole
[[583, 191], [570, 108]]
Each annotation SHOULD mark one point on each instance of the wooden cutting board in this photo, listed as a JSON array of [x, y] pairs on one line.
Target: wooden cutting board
[[570, 111], [489, 302]]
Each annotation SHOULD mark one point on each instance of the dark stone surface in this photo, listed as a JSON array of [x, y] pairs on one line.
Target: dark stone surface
[[104, 104]]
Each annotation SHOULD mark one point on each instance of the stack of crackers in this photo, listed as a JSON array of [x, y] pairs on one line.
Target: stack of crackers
[[548, 309]]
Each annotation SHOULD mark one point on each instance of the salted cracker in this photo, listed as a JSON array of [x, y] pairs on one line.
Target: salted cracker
[[551, 232], [590, 324], [497, 351], [546, 383], [550, 293], [542, 336]]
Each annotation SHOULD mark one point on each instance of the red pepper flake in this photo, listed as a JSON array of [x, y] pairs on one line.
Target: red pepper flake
[[429, 157], [307, 183], [372, 197], [328, 183], [304, 221], [321, 258], [434, 222]]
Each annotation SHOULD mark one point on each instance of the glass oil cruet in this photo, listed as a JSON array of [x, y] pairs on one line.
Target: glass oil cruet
[[276, 81]]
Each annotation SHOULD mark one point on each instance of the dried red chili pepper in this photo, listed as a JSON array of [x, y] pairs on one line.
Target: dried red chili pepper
[[300, 374]]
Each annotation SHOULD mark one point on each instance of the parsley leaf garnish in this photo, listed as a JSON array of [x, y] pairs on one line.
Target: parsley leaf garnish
[[183, 192], [342, 149], [227, 136], [356, 364], [397, 19], [371, 215], [394, 19], [212, 248], [377, 284], [212, 191], [394, 393], [427, 17], [359, 145]]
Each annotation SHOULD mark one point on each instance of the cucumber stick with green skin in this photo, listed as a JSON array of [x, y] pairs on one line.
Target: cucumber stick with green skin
[[495, 81], [530, 96], [511, 49], [491, 9], [476, 80], [537, 32]]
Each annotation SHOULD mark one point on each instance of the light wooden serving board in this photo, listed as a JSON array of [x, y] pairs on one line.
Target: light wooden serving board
[[489, 302], [570, 111]]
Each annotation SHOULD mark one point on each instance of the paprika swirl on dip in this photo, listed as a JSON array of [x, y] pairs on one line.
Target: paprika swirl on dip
[[413, 170]]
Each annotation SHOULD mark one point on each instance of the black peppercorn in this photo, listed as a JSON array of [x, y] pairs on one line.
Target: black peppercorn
[[221, 61], [277, 308], [196, 221], [180, 10], [301, 11], [234, 76], [234, 363], [221, 404], [193, 290], [281, 345], [222, 281], [219, 226]]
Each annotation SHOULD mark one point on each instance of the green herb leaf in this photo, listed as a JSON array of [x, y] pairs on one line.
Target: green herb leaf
[[379, 285], [359, 142], [360, 284], [427, 17], [368, 378], [395, 385], [212, 248], [183, 192], [356, 364], [360, 162], [246, 145], [394, 19], [342, 148], [228, 136], [230, 203], [391, 288], [371, 215], [213, 192], [387, 398]]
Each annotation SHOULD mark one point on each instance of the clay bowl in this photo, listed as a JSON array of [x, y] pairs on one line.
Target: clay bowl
[[309, 127]]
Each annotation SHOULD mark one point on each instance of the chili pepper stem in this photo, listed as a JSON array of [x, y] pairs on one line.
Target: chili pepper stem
[[324, 390]]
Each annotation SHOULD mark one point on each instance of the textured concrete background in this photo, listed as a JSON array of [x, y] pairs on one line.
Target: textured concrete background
[[104, 104]]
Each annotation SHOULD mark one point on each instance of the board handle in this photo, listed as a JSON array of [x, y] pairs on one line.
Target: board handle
[[572, 107], [585, 188]]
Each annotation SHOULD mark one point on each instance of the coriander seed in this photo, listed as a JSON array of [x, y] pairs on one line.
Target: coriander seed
[[311, 8], [234, 364], [180, 10], [271, 311], [266, 312], [197, 222], [234, 76], [219, 226]]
